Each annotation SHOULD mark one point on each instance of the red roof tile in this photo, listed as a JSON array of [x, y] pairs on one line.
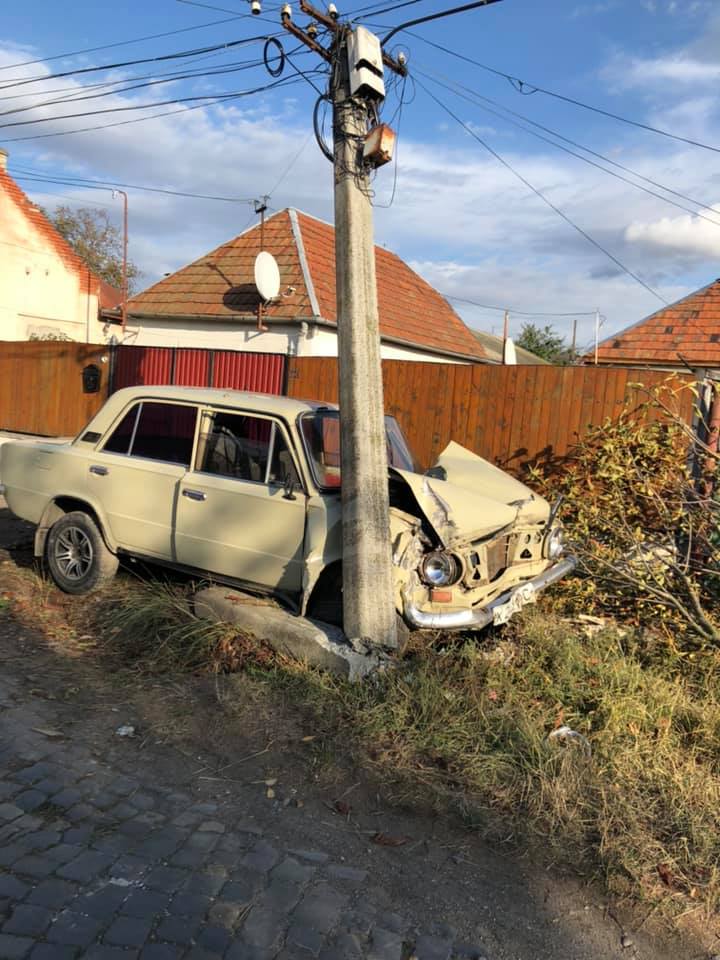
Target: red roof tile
[[688, 330], [221, 285], [107, 295]]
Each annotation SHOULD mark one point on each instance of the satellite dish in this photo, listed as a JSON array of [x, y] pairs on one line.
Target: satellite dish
[[509, 352], [267, 276]]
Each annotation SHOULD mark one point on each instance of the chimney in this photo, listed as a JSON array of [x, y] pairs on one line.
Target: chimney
[[3, 159]]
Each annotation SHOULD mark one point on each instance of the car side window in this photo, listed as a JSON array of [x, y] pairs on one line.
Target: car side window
[[241, 446], [156, 431]]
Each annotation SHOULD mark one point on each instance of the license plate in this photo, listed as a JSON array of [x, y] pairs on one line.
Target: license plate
[[522, 596]]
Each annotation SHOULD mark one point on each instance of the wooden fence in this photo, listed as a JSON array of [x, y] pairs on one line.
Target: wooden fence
[[514, 416], [41, 386]]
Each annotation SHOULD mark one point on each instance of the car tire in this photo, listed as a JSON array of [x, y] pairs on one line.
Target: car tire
[[77, 556]]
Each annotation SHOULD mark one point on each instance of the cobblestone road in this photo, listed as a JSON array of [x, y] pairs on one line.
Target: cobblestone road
[[95, 863]]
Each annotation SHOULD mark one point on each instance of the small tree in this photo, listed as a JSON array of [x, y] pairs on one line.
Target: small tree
[[96, 240], [544, 342]]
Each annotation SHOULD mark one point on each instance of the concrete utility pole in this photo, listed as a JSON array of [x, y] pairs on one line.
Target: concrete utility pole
[[368, 597]]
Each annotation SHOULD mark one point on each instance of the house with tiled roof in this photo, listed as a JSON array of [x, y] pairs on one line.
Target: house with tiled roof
[[494, 347], [213, 302], [46, 290], [684, 334]]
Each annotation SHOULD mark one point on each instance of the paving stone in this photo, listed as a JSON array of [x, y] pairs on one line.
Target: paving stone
[[86, 867], [136, 828], [433, 948], [207, 884], [211, 826], [349, 874], [245, 951], [30, 800], [35, 866], [281, 896], [307, 938], [167, 878], [106, 952], [28, 921], [161, 951], [66, 799], [293, 871], [53, 951], [12, 888], [63, 852], [122, 811], [187, 819], [314, 856], [178, 930], [81, 811], [73, 929], [347, 945], [144, 904], [34, 773], [78, 835], [103, 799], [52, 894], [223, 913], [123, 786], [129, 867], [393, 922], [14, 948], [143, 801], [385, 945], [10, 853], [8, 811], [262, 857], [41, 839], [262, 927], [115, 843], [190, 857], [9, 789], [50, 786], [127, 932], [103, 903], [321, 908], [214, 939], [189, 905], [240, 890]]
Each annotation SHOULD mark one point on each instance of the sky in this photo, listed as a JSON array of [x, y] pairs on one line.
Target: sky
[[452, 204]]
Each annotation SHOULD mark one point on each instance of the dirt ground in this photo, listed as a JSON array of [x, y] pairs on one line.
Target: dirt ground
[[225, 739]]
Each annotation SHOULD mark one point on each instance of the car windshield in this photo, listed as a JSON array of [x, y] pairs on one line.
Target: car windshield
[[321, 433]]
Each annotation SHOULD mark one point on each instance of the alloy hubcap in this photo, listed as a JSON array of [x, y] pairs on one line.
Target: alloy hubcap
[[73, 553]]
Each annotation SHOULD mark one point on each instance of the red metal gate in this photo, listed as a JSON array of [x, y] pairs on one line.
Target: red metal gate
[[187, 367]]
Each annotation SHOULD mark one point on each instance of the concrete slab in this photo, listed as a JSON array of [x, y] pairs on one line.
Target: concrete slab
[[309, 641]]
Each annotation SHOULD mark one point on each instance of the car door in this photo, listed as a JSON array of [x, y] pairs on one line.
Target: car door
[[236, 514], [134, 477]]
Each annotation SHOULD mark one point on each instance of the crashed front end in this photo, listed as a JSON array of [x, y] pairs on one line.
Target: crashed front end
[[471, 545]]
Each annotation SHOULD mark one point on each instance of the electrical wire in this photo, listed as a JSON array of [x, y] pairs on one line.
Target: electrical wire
[[178, 55], [541, 196], [124, 43], [236, 67], [522, 86], [69, 181], [473, 98], [155, 116], [517, 313], [291, 165], [211, 6]]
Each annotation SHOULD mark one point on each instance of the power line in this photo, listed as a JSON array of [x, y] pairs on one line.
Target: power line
[[522, 86], [68, 181], [178, 55], [124, 43], [518, 313], [155, 116], [538, 193], [236, 67], [473, 97]]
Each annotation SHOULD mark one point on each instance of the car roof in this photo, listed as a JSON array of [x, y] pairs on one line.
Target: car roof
[[286, 407]]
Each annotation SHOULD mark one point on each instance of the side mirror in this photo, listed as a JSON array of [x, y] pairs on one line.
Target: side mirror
[[289, 488]]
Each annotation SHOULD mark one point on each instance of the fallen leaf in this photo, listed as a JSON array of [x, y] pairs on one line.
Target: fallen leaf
[[665, 875], [385, 840], [46, 731], [343, 808], [308, 739], [270, 793]]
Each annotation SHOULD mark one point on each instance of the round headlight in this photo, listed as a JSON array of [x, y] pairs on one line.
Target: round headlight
[[440, 569], [555, 543]]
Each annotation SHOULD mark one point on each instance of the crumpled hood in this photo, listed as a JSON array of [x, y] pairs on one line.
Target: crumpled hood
[[475, 500]]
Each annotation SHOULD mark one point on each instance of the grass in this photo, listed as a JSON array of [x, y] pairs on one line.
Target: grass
[[465, 725]]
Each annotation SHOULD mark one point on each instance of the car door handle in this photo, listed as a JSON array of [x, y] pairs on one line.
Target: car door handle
[[100, 471], [194, 494]]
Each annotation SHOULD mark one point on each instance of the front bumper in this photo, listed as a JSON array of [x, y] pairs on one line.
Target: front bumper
[[498, 611]]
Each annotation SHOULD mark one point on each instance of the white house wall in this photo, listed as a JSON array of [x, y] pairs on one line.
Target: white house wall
[[302, 340], [39, 294]]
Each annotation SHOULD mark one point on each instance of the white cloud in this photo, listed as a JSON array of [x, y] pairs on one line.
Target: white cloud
[[684, 235]]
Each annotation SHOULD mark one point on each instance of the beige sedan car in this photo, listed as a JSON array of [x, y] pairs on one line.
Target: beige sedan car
[[244, 489]]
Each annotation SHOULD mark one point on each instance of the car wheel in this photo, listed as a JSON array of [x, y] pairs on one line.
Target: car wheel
[[76, 554]]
